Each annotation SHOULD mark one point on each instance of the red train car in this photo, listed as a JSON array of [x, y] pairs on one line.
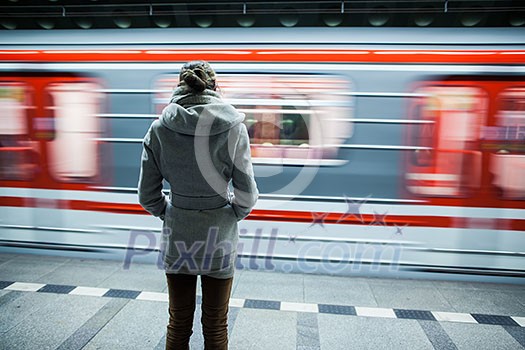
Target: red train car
[[377, 153]]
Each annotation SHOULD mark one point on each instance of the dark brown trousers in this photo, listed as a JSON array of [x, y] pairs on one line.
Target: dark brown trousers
[[215, 299]]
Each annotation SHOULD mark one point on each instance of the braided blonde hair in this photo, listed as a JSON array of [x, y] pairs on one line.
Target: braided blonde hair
[[198, 75]]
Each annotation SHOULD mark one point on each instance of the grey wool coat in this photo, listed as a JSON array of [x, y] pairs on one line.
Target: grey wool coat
[[201, 148]]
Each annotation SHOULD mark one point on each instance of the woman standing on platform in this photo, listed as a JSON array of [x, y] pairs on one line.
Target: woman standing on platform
[[200, 147]]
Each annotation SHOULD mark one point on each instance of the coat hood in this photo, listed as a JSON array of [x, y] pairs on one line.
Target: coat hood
[[199, 113]]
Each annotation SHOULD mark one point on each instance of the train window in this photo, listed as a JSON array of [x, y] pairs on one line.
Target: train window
[[73, 155], [423, 134], [17, 153], [454, 116], [294, 119], [507, 139]]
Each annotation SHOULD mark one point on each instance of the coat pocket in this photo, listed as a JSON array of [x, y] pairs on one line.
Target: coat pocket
[[231, 211], [240, 212]]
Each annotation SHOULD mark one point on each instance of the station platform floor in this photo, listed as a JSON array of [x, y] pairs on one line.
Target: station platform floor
[[68, 303]]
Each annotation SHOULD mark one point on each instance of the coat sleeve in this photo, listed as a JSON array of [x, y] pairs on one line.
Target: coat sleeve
[[245, 192], [150, 181]]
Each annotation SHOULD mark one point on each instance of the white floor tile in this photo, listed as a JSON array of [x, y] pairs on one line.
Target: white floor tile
[[235, 302], [375, 312], [153, 296], [26, 287], [519, 320], [453, 317], [299, 307], [95, 292]]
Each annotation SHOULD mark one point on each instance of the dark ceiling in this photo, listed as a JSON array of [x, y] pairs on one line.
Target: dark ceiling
[[90, 14]]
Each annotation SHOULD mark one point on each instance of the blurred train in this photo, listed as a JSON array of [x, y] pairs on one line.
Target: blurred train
[[397, 152]]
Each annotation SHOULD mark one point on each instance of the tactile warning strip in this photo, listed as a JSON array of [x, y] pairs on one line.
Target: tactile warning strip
[[275, 305]]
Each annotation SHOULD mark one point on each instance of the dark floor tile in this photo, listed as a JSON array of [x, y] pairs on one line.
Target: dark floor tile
[[262, 304], [494, 319], [56, 288], [414, 314], [4, 284], [122, 293], [337, 309]]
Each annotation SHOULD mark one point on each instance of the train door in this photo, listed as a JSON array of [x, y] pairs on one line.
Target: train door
[[449, 163], [471, 134], [472, 138], [48, 133], [19, 153], [505, 140]]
